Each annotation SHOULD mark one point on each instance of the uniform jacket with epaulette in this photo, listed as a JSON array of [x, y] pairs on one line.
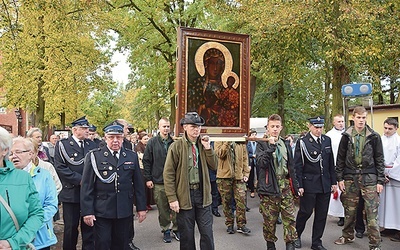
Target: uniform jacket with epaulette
[[312, 176], [68, 162], [113, 200]]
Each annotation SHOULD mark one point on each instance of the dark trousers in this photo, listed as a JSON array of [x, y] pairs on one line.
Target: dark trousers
[[250, 182], [318, 203], [216, 198], [112, 233], [72, 217], [186, 220]]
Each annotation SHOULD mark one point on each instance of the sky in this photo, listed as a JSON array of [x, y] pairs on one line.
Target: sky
[[121, 71]]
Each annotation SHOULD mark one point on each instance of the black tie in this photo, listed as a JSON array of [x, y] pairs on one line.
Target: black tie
[[81, 145], [115, 156], [318, 140]]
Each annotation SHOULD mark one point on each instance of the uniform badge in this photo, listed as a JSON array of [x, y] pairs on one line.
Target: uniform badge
[[110, 168], [71, 143], [104, 163], [310, 139], [123, 153], [106, 153], [104, 172]]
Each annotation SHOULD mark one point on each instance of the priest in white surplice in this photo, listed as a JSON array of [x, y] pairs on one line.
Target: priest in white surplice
[[390, 197], [335, 205]]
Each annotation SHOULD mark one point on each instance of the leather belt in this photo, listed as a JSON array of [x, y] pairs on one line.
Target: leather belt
[[194, 186]]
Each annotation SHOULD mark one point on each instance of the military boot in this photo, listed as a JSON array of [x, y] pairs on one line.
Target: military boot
[[271, 245], [290, 246]]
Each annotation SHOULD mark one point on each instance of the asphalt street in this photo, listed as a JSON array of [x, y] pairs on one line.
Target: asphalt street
[[148, 234]]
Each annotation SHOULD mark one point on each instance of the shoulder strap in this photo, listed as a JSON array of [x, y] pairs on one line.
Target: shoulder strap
[[8, 208]]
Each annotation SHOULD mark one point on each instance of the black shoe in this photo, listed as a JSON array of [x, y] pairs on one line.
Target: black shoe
[[359, 235], [167, 236], [290, 246], [279, 221], [340, 223], [176, 235], [297, 243], [132, 246], [216, 213], [247, 209], [230, 230], [271, 245], [243, 230], [320, 247]]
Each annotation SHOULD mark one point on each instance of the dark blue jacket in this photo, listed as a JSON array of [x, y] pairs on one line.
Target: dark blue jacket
[[310, 175]]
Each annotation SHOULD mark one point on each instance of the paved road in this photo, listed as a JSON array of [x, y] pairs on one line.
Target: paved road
[[148, 234]]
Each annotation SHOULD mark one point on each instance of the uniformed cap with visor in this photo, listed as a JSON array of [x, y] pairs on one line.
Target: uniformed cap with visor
[[80, 122], [317, 121], [114, 128]]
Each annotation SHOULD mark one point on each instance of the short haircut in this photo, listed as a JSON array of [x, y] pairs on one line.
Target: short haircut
[[359, 110], [163, 119], [275, 117], [26, 142], [338, 115], [392, 121], [5, 141], [33, 130]]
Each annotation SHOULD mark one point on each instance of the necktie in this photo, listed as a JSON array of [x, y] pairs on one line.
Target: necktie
[[81, 145], [194, 154], [319, 140], [278, 154], [115, 156], [357, 144]]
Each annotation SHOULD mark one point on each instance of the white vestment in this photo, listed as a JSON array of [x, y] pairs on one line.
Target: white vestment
[[389, 203], [335, 206]]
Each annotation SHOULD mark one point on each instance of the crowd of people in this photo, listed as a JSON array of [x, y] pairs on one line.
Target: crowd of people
[[351, 173]]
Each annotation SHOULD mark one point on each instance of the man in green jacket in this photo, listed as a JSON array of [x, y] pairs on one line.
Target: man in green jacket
[[187, 183]]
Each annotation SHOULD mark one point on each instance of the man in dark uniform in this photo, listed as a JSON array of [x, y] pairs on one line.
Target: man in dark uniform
[[126, 144], [111, 178], [93, 135], [315, 172], [68, 160]]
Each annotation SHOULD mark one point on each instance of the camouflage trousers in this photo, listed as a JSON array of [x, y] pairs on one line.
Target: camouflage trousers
[[271, 206], [229, 188], [350, 200]]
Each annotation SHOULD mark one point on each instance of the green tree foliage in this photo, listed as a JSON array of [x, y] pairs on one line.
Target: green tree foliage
[[51, 55], [304, 51], [148, 29]]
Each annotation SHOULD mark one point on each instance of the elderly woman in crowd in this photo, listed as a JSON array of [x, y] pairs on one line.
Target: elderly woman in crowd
[[45, 186], [18, 192]]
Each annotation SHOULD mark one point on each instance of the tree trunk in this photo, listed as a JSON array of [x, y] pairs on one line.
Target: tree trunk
[[341, 76]]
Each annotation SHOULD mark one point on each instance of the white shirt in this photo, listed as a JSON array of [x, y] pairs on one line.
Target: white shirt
[[391, 152], [336, 136]]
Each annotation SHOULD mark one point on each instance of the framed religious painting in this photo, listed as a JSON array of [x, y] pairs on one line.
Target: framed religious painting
[[213, 79]]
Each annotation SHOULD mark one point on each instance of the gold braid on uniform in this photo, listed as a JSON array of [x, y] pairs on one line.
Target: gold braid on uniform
[[110, 179], [65, 156], [309, 157]]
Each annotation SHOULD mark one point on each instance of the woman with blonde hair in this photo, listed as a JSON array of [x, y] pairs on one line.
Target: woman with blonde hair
[[45, 186]]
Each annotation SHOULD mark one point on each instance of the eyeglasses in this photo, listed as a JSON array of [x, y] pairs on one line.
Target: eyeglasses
[[19, 152]]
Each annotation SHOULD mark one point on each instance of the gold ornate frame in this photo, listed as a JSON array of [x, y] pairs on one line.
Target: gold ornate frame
[[235, 48]]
